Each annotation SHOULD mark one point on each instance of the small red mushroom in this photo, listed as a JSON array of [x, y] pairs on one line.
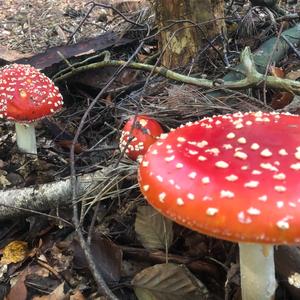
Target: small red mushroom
[[234, 177], [138, 134], [27, 95]]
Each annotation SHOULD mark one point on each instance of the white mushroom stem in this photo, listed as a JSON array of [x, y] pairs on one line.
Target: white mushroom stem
[[257, 271], [26, 139]]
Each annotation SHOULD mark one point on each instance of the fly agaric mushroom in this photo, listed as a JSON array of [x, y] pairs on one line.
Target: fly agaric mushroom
[[234, 177], [27, 95], [138, 134]]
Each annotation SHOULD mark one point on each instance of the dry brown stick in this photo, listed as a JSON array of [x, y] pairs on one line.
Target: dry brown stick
[[107, 6], [270, 61], [156, 256], [81, 22]]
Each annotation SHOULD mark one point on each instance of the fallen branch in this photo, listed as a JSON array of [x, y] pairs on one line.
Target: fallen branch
[[14, 202], [44, 196], [252, 77]]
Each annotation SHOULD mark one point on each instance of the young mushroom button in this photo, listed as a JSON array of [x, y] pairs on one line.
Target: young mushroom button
[[138, 134], [27, 95], [234, 177]]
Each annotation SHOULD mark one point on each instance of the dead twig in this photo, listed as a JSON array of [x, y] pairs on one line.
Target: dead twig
[[27, 211], [93, 5], [120, 14], [295, 50], [253, 77], [269, 62], [81, 22], [211, 270]]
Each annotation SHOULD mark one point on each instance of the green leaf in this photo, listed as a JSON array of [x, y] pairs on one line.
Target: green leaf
[[153, 230]]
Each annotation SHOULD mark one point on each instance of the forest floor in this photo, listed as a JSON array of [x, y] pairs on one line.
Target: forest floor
[[132, 245], [34, 26]]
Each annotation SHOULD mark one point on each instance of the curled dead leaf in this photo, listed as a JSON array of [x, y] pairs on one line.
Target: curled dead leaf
[[293, 75], [277, 72], [281, 99], [153, 230], [58, 294]]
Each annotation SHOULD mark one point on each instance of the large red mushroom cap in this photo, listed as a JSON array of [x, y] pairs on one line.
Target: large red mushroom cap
[[139, 133], [235, 177], [26, 94]]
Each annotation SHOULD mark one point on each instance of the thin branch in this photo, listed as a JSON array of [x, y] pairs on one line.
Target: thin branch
[[291, 45], [21, 210], [81, 22], [270, 60], [252, 79], [107, 6]]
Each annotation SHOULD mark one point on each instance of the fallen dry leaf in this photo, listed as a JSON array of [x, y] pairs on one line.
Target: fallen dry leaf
[[77, 295], [14, 252], [108, 258], [58, 294], [293, 75], [277, 72], [168, 282], [19, 291], [153, 230], [280, 99], [12, 55], [129, 5], [66, 144]]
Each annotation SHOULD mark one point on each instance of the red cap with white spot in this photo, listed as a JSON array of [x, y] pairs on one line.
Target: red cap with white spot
[[235, 177], [138, 134], [26, 94]]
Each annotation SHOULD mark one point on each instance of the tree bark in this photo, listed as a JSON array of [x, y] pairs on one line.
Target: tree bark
[[181, 41]]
